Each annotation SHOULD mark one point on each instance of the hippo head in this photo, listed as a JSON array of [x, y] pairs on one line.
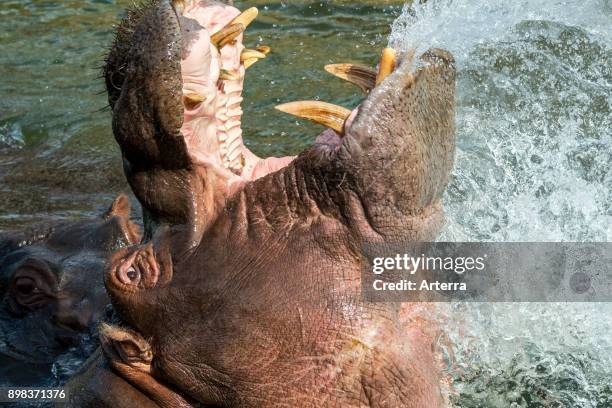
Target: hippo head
[[51, 287], [246, 290]]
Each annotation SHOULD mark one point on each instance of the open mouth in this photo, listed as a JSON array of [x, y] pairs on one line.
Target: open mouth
[[214, 62], [175, 76]]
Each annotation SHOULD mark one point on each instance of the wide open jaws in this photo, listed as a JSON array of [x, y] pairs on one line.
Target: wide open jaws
[[213, 65], [174, 77], [211, 125]]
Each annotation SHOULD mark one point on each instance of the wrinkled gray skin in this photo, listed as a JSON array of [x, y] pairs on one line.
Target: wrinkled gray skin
[[52, 290], [252, 298]]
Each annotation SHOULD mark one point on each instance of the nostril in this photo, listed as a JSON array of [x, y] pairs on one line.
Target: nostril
[[137, 270], [129, 276], [132, 274]]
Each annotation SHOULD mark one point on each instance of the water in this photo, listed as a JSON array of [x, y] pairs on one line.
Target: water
[[533, 162], [534, 116]]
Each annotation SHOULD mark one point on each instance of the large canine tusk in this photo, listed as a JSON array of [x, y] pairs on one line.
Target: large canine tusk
[[234, 28], [387, 64], [249, 57], [248, 54], [226, 35], [264, 49], [249, 62], [246, 17], [326, 114], [360, 75], [179, 6], [192, 99]]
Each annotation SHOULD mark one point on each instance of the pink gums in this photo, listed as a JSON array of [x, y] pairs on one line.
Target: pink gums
[[212, 129]]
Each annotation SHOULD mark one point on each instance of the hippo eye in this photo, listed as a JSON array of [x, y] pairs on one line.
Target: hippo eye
[[25, 286], [29, 293]]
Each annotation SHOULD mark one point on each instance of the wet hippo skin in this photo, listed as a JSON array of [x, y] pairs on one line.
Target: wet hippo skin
[[51, 288], [246, 289]]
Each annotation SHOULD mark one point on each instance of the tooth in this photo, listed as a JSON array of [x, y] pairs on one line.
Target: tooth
[[362, 76], [263, 49], [246, 17], [248, 63], [192, 99], [227, 35], [234, 100], [226, 75], [248, 54], [249, 57], [387, 64], [179, 6], [326, 114], [234, 86]]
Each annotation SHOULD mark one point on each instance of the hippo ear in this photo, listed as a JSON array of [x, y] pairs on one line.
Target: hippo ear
[[120, 207], [130, 355], [125, 348]]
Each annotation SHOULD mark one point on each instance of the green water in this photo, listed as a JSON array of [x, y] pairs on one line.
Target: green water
[[58, 158]]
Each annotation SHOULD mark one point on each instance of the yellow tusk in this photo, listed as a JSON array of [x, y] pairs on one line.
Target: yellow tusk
[[179, 6], [248, 54], [192, 99], [230, 32], [226, 75], [387, 64], [264, 49], [249, 57], [246, 17], [362, 76], [326, 114], [248, 63], [226, 35]]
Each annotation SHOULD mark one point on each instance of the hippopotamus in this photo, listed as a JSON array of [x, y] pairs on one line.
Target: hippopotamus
[[246, 289], [52, 290]]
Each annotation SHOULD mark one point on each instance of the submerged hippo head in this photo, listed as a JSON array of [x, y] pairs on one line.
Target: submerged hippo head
[[247, 289], [51, 288]]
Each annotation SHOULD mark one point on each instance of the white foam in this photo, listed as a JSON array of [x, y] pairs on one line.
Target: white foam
[[534, 147]]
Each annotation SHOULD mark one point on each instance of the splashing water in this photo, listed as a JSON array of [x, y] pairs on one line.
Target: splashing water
[[534, 147]]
